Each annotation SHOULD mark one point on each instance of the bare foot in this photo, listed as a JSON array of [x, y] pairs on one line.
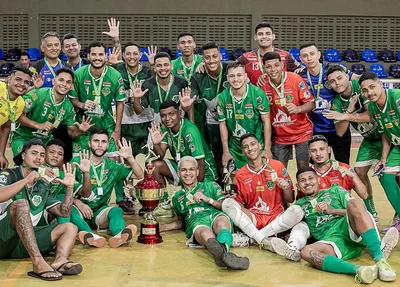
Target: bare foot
[[42, 266]]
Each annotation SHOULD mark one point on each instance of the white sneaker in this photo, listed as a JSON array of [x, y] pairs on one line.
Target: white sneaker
[[241, 240], [282, 248], [366, 274], [266, 244], [386, 272], [395, 222], [389, 241]]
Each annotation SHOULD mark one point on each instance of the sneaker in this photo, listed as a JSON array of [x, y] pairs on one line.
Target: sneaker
[[124, 237], [217, 250], [282, 248], [127, 206], [395, 223], [234, 262], [385, 272], [366, 274], [91, 239], [241, 240], [159, 211], [266, 244], [389, 241]]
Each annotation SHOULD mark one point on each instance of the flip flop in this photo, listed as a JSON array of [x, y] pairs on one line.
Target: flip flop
[[73, 270], [40, 275]]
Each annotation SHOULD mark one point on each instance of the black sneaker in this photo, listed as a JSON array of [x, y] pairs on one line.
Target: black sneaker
[[234, 262], [127, 206], [217, 250]]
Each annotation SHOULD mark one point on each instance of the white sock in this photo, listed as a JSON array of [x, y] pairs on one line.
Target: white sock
[[284, 221], [299, 235]]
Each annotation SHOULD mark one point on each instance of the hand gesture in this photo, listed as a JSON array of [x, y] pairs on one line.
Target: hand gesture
[[113, 26], [84, 164], [46, 126], [38, 80], [3, 162], [322, 207], [199, 197], [136, 90], [201, 68], [152, 51], [86, 211], [333, 115], [32, 177], [85, 125], [185, 99], [353, 102], [155, 133], [261, 81], [125, 149], [266, 153], [49, 172], [89, 105], [226, 157], [345, 171], [69, 176], [292, 108], [114, 56], [282, 183]]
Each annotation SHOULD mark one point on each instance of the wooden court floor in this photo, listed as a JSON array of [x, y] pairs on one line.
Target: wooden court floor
[[171, 263]]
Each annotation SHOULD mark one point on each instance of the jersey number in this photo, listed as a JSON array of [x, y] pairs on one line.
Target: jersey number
[[44, 112]]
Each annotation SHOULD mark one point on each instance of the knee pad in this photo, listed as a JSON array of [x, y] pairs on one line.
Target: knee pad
[[234, 211], [291, 216], [302, 229]]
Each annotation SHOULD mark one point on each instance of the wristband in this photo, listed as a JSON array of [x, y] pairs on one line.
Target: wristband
[[211, 201]]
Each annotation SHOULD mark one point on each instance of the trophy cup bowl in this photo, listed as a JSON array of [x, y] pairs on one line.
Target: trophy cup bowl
[[149, 192]]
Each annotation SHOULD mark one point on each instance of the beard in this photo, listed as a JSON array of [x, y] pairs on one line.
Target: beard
[[96, 154]]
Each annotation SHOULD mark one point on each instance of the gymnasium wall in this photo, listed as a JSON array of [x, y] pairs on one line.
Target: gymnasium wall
[[341, 24]]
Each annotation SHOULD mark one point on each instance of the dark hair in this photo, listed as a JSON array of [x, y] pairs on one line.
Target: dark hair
[[68, 36], [128, 45], [96, 44], [161, 55], [65, 70], [25, 54], [233, 65], [56, 142], [210, 45], [245, 136], [271, 56], [27, 145], [304, 169], [263, 25], [169, 103], [334, 68], [367, 76], [97, 130], [22, 69], [49, 34], [316, 138], [306, 45], [184, 34]]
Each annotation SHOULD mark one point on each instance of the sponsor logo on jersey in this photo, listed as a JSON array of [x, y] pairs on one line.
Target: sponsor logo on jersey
[[260, 188], [36, 200], [248, 106], [389, 125], [108, 84], [285, 172], [192, 147], [229, 105], [28, 103], [398, 103], [302, 86], [3, 178], [188, 138]]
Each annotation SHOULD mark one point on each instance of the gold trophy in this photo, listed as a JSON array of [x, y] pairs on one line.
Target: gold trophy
[[149, 192]]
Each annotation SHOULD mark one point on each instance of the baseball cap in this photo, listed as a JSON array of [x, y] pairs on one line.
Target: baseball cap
[[18, 158]]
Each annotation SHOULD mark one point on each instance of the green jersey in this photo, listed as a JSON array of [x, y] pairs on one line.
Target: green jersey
[[388, 118], [57, 189], [103, 177], [40, 106], [179, 68], [38, 196], [243, 116], [321, 223], [157, 95], [207, 89], [341, 104], [103, 91]]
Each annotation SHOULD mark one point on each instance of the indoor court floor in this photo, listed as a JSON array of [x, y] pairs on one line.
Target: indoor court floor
[[172, 263]]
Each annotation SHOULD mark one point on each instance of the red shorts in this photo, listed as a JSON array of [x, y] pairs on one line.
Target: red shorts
[[263, 220]]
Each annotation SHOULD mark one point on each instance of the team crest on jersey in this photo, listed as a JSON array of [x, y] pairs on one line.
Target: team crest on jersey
[[106, 91], [36, 200], [28, 103], [289, 98], [3, 178], [270, 185], [302, 86], [249, 113], [188, 138], [76, 147], [175, 98]]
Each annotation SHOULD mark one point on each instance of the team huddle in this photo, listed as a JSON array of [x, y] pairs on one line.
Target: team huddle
[[76, 127]]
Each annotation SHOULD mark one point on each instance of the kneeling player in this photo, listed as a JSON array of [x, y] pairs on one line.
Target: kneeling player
[[198, 208]]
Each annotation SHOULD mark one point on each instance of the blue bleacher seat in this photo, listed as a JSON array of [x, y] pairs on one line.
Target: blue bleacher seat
[[1, 54], [34, 53], [63, 56], [166, 50], [144, 57], [295, 53], [379, 70], [199, 51], [394, 71], [5, 69], [350, 55], [387, 56], [358, 69], [13, 55], [237, 53], [178, 54], [224, 53], [332, 55], [369, 55], [84, 52]]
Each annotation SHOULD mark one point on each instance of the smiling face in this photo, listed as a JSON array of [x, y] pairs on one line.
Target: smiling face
[[51, 47], [212, 59], [236, 77], [308, 183], [34, 156], [372, 90], [188, 172], [54, 155], [132, 56], [251, 148], [273, 68], [63, 83], [264, 37], [310, 56], [97, 57], [186, 45], [71, 48], [18, 83], [162, 67]]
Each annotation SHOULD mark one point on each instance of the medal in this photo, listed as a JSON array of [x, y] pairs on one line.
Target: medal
[[99, 180], [178, 157]]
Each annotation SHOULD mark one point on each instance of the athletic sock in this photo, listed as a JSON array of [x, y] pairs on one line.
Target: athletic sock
[[336, 265], [117, 222], [392, 190], [225, 237], [119, 191], [79, 221], [369, 203], [61, 220], [373, 243]]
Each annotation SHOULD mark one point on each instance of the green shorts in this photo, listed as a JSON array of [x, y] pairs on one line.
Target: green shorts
[[82, 143], [94, 222], [10, 244], [369, 153], [204, 221], [137, 134], [393, 161]]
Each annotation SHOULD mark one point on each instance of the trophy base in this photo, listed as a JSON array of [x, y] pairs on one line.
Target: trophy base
[[150, 233]]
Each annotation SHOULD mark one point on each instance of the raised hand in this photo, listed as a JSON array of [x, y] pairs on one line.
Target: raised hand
[[69, 176], [113, 26], [353, 102], [261, 81], [125, 149], [136, 90], [89, 105], [32, 177], [114, 56], [292, 108], [199, 197], [84, 164], [345, 171], [37, 80], [185, 100], [152, 51], [155, 133], [282, 183], [85, 125], [46, 126], [201, 68]]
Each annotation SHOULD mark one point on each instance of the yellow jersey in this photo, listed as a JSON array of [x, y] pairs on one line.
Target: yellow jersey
[[12, 110]]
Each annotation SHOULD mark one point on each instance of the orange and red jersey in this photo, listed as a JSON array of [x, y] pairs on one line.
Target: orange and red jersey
[[332, 176]]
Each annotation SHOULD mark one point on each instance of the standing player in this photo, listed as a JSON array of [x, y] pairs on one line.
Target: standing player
[[45, 110], [252, 61], [186, 65], [95, 87], [263, 186], [242, 108], [11, 105], [198, 206], [290, 102], [347, 104], [72, 49]]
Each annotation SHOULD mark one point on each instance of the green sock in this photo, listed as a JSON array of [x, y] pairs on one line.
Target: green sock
[[117, 222], [79, 221], [392, 190], [119, 191], [373, 243], [369, 204], [61, 220], [225, 237], [336, 265]]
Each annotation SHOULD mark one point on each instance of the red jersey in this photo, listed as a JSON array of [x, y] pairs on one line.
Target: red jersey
[[286, 128], [332, 176], [258, 192], [252, 63]]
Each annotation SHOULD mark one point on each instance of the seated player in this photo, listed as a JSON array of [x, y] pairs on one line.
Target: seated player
[[343, 228], [198, 206], [263, 186], [23, 199], [98, 175]]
